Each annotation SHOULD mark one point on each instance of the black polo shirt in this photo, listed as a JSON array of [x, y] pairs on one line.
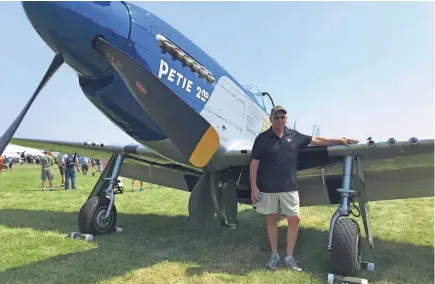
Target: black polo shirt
[[278, 159]]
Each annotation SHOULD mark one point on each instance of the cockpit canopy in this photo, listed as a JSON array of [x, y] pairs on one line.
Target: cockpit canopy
[[259, 96]]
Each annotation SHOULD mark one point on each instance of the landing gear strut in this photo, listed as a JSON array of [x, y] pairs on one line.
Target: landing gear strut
[[214, 193], [98, 214], [345, 243]]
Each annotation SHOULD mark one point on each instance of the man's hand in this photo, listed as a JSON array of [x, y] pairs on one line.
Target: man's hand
[[345, 141], [254, 194]]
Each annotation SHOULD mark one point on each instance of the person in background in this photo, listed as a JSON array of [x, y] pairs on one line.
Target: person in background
[[11, 163], [1, 164], [4, 166], [71, 168], [84, 162], [61, 165], [47, 163], [6, 160], [133, 181], [97, 163]]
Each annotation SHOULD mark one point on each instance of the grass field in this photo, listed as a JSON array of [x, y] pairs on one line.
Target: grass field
[[157, 246]]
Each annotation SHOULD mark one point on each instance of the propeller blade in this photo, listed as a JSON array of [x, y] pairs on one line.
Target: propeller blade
[[7, 136], [188, 130]]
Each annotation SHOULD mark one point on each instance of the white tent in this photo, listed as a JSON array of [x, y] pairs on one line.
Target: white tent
[[15, 151]]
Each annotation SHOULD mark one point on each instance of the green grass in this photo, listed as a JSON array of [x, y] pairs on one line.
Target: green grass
[[157, 246]]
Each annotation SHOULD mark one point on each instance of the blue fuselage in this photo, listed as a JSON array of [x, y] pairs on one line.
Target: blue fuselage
[[70, 27]]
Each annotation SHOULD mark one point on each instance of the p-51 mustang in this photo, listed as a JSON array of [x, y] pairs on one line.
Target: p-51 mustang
[[196, 125]]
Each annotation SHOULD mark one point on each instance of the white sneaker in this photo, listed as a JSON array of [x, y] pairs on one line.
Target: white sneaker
[[291, 263]]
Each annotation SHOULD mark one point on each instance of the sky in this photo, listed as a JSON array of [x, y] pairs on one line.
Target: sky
[[358, 70]]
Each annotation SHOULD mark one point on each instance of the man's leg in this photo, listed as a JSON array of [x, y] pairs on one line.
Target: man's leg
[[67, 176], [292, 233], [289, 202], [43, 178], [272, 231], [269, 207], [50, 179], [62, 174], [73, 179]]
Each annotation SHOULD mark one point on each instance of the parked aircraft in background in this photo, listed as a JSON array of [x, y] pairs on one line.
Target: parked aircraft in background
[[16, 151]]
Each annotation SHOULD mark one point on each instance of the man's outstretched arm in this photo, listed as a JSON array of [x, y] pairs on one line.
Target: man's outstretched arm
[[323, 141]]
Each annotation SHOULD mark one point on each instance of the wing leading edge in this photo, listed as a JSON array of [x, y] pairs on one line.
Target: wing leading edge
[[141, 163], [240, 152], [96, 150]]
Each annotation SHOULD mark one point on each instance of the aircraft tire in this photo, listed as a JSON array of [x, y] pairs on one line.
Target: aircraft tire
[[89, 218], [346, 247]]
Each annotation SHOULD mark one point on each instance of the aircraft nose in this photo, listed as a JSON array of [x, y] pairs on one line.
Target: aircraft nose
[[70, 27]]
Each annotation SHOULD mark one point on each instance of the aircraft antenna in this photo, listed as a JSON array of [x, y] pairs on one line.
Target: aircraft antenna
[[271, 100]]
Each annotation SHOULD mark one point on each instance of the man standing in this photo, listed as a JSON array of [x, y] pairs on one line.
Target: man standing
[[132, 185], [47, 162], [61, 165], [71, 167], [274, 163]]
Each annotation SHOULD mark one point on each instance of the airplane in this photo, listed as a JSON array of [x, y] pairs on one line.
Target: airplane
[[195, 125]]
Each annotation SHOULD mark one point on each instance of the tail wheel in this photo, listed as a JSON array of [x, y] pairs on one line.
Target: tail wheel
[[91, 218], [346, 247]]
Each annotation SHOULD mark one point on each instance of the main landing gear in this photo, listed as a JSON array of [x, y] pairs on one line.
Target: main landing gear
[[98, 214], [214, 193], [345, 243]]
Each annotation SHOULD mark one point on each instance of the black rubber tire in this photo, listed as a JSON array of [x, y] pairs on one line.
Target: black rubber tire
[[346, 247], [87, 217]]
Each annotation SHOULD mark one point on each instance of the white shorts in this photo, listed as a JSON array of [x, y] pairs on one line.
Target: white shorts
[[286, 203]]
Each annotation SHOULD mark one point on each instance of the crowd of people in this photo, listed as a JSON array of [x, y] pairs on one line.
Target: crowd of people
[[6, 164], [68, 165]]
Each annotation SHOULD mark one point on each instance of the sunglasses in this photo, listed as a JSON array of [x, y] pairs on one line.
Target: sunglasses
[[282, 117]]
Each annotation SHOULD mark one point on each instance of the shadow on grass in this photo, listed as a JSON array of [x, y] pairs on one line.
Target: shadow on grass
[[151, 239]]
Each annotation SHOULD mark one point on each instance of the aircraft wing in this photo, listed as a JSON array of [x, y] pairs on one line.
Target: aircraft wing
[[403, 169], [96, 150], [240, 152], [393, 169], [144, 164]]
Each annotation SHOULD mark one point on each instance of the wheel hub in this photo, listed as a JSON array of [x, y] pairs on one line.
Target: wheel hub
[[101, 221]]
